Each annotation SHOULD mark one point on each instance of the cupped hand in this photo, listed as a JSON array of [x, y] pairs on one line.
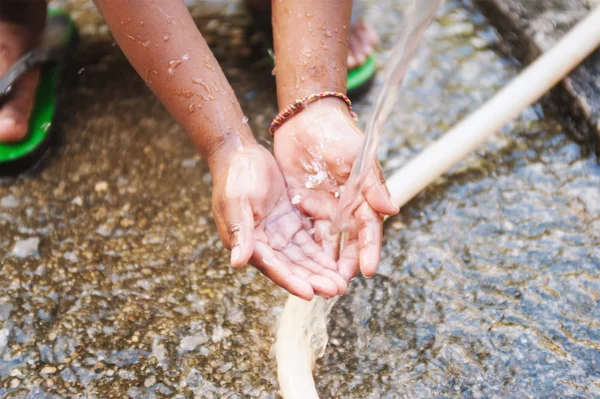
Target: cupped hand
[[316, 149], [258, 223]]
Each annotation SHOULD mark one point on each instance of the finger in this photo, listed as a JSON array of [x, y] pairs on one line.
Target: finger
[[349, 261], [377, 194], [369, 237], [335, 284], [269, 264], [323, 286], [239, 219]]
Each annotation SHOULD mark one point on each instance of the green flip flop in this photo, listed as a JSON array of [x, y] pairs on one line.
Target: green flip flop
[[360, 79], [58, 44]]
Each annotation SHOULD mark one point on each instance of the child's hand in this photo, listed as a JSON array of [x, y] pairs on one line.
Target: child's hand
[[316, 150], [257, 221]]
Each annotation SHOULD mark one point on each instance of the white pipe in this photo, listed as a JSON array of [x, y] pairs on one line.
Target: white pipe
[[294, 351]]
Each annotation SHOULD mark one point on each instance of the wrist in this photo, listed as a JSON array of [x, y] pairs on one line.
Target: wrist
[[220, 152]]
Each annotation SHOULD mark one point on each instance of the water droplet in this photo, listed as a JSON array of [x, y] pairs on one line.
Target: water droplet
[[245, 120], [166, 38], [336, 194], [174, 63], [170, 70], [185, 57], [296, 200], [309, 15], [191, 108], [201, 82], [141, 23], [312, 231]]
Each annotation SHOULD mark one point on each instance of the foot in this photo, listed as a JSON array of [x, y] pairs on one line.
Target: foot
[[362, 39], [16, 40]]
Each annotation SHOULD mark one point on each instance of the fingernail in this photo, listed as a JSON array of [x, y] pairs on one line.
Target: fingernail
[[236, 254]]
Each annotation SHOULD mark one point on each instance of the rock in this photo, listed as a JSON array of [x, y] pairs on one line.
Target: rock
[[15, 373], [48, 370], [101, 186], [193, 341], [150, 381], [189, 163], [9, 201], [4, 333], [26, 248], [533, 27], [71, 257]]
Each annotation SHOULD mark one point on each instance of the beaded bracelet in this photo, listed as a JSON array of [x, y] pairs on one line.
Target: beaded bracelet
[[301, 103]]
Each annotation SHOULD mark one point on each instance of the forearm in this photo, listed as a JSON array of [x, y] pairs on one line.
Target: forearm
[[311, 47], [165, 47]]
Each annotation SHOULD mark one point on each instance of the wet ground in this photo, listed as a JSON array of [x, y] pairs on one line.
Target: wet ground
[[114, 283]]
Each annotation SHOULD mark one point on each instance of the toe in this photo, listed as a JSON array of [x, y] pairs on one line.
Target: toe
[[15, 113]]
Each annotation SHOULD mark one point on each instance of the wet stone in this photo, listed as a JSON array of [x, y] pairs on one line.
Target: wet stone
[[26, 248]]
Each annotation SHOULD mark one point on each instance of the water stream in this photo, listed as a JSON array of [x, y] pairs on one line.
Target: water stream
[[418, 16]]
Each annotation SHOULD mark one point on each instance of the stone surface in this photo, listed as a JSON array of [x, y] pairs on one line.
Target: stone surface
[[532, 27], [488, 286]]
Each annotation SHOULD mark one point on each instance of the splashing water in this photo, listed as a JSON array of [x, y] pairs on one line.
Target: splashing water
[[418, 16], [302, 334]]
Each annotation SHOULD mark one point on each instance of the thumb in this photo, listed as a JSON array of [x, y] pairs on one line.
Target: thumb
[[377, 194], [240, 227]]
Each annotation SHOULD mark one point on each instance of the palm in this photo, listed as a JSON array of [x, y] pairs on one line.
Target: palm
[[316, 150], [253, 211]]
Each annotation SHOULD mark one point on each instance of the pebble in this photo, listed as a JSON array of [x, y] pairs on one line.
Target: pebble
[[15, 373], [101, 186], [193, 341], [14, 383], [71, 257], [9, 201], [48, 370], [26, 248], [77, 201], [150, 381], [189, 163]]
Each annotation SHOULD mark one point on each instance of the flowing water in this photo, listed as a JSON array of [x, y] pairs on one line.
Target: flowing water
[[418, 16]]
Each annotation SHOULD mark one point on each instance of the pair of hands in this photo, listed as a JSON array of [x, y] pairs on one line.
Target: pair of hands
[[276, 213]]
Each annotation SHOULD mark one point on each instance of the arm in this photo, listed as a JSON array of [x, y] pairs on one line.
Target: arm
[[311, 47], [166, 49]]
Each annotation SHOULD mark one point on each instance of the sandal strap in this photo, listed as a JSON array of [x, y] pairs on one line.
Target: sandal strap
[[32, 59]]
